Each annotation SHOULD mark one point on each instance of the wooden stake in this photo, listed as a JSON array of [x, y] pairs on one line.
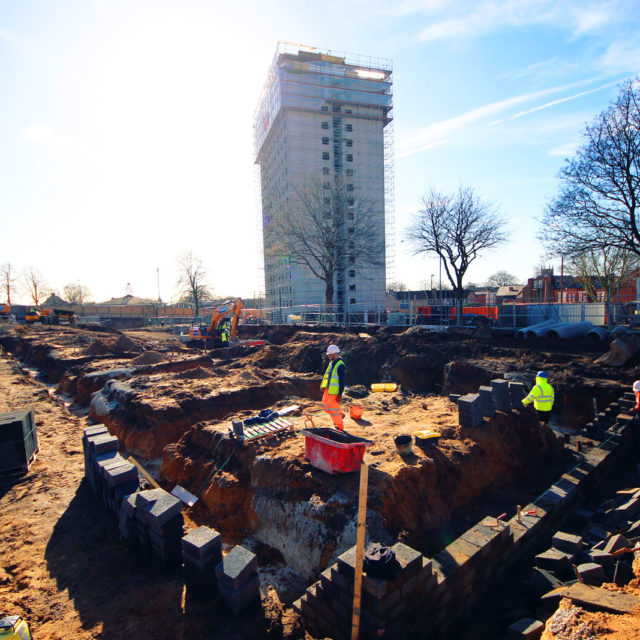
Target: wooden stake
[[144, 473], [362, 520]]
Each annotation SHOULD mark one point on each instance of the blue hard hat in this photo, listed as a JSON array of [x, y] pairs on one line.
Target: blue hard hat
[[541, 374]]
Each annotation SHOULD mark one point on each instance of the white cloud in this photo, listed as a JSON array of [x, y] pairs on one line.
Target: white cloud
[[469, 20], [564, 150], [622, 55], [546, 105], [43, 133], [446, 130]]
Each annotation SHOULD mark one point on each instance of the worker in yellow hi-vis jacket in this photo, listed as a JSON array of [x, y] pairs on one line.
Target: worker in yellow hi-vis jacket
[[333, 384], [542, 396]]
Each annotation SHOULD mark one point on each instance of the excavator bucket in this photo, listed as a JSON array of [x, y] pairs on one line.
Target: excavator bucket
[[621, 349]]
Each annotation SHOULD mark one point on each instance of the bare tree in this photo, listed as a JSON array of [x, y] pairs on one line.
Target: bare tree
[[327, 229], [599, 198], [501, 279], [76, 293], [604, 268], [192, 280], [397, 286], [8, 276], [35, 284], [457, 228]]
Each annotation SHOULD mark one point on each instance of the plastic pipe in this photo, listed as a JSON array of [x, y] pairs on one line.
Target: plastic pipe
[[598, 333], [570, 330], [521, 333]]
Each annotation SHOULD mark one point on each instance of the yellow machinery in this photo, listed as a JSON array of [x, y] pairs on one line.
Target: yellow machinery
[[228, 312], [56, 316], [14, 628], [33, 315]]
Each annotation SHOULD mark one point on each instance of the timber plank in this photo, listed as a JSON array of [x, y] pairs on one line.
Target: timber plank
[[597, 597]]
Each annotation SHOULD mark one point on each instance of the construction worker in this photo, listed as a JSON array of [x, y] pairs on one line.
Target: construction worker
[[224, 333], [542, 397], [333, 384], [636, 390]]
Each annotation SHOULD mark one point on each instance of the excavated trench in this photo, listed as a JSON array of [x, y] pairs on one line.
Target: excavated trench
[[179, 408]]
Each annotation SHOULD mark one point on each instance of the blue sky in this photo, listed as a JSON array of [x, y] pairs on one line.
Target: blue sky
[[126, 139]]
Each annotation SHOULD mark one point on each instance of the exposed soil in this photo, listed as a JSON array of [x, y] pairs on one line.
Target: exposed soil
[[63, 566]]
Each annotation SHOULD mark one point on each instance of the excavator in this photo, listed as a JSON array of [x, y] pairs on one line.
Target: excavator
[[225, 317]]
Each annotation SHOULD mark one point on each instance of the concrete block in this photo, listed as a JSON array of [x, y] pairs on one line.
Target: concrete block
[[616, 542], [623, 573], [165, 508], [103, 443], [235, 569], [553, 560], [149, 496], [410, 560], [541, 581], [347, 563], [630, 509], [525, 629], [94, 430], [173, 528], [120, 474], [591, 573], [602, 558], [567, 542], [633, 530], [202, 543]]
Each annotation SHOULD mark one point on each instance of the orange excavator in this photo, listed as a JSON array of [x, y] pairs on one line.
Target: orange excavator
[[223, 326]]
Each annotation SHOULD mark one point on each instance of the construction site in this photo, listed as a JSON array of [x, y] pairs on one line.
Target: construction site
[[169, 491]]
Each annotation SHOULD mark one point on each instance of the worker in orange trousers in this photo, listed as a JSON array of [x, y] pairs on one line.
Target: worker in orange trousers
[[333, 384]]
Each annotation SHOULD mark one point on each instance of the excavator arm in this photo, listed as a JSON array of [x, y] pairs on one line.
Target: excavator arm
[[230, 309]]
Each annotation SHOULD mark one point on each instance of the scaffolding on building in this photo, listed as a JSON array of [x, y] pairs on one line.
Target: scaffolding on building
[[329, 87]]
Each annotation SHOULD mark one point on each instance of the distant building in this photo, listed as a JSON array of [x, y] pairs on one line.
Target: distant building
[[324, 118], [508, 293]]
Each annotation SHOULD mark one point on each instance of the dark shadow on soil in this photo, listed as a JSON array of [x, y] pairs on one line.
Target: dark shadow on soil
[[125, 590]]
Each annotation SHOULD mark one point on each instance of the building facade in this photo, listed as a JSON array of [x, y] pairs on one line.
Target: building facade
[[323, 122]]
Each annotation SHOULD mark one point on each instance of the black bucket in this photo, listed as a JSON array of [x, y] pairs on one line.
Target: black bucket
[[404, 444]]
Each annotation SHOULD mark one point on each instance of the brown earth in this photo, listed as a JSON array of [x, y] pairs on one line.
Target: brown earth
[[62, 562]]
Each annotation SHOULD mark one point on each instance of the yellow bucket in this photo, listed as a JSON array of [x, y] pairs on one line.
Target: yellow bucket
[[384, 386]]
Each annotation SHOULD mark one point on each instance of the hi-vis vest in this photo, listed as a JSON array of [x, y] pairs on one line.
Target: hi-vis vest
[[225, 335], [542, 395], [334, 383]]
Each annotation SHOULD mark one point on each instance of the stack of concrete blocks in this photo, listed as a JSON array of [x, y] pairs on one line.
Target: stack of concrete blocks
[[501, 395], [389, 608], [464, 569], [238, 581], [111, 477], [470, 413], [201, 553], [152, 520], [486, 401], [517, 392]]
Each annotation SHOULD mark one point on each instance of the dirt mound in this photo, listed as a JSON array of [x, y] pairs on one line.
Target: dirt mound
[[98, 348], [194, 374], [148, 357], [124, 343]]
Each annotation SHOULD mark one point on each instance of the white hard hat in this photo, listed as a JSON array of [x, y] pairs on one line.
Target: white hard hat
[[333, 348], [636, 385]]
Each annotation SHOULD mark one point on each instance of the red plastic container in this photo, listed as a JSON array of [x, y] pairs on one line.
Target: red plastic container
[[334, 451]]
